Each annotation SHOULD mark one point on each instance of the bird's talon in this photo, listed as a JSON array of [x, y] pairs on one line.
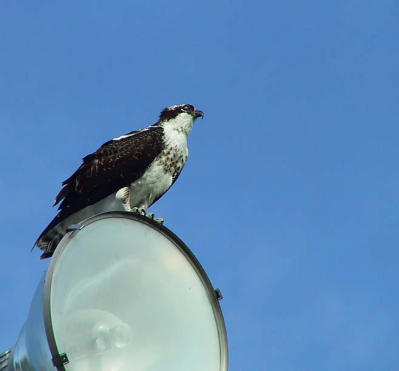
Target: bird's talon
[[138, 210], [158, 220]]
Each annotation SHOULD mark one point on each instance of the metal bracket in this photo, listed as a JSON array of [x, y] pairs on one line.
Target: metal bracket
[[74, 227], [60, 360], [218, 294]]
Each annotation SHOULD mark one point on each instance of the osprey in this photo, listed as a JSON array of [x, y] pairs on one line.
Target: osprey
[[128, 173]]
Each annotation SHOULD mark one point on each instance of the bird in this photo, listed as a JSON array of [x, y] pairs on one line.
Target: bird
[[127, 173]]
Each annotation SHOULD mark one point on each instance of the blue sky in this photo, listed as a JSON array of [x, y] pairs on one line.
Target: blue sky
[[290, 195]]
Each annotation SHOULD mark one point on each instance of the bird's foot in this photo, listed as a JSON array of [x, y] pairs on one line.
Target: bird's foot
[[151, 216], [138, 210]]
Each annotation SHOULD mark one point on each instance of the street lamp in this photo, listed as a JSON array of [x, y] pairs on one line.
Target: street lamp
[[122, 293]]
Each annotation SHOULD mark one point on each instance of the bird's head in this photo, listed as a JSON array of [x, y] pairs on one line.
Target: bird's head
[[180, 116], [181, 110]]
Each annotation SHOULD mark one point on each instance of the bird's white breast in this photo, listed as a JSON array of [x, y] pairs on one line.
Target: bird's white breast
[[158, 178]]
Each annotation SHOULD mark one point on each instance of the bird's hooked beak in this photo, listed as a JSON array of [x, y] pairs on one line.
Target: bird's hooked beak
[[198, 113]]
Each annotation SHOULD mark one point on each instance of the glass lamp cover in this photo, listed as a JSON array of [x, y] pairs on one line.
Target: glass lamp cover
[[126, 296]]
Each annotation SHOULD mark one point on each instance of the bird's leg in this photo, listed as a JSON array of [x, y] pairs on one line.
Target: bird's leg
[[123, 195]]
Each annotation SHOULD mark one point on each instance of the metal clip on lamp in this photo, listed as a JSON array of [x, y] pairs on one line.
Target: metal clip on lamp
[[122, 293]]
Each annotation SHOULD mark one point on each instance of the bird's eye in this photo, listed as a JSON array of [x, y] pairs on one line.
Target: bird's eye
[[188, 108]]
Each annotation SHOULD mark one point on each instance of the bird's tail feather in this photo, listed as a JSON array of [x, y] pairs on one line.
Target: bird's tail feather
[[50, 237], [49, 242]]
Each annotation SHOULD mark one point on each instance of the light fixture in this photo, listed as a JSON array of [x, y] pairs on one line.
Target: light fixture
[[122, 293]]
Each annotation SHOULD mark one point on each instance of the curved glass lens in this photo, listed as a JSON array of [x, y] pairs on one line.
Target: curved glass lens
[[125, 297]]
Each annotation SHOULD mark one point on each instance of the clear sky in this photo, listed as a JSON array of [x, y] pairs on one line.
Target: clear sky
[[290, 196]]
